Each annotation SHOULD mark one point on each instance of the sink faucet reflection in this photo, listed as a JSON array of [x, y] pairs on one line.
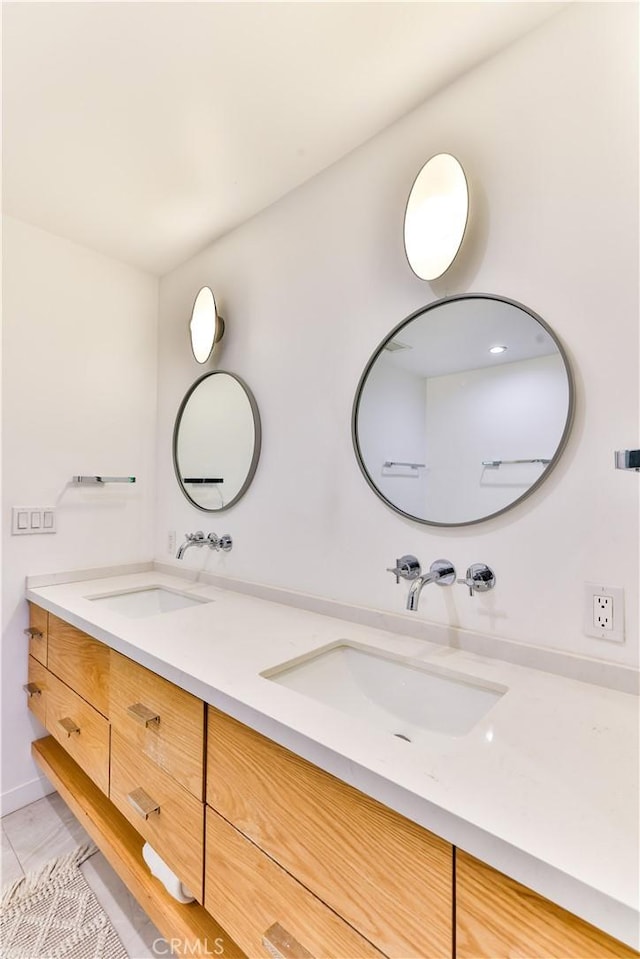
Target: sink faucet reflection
[[441, 572], [211, 540]]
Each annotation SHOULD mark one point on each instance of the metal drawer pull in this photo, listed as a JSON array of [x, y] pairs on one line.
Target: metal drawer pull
[[34, 633], [32, 690], [69, 726], [281, 945], [143, 803], [143, 714]]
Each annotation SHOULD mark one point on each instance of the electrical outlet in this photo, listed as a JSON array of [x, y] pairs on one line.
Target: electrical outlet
[[604, 612], [171, 542]]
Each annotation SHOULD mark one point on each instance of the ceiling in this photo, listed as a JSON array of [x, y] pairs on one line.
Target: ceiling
[[147, 130]]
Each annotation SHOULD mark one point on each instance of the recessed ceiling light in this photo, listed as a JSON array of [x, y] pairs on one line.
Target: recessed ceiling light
[[497, 349]]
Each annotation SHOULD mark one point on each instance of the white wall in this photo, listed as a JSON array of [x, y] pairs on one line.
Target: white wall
[[547, 132], [79, 396]]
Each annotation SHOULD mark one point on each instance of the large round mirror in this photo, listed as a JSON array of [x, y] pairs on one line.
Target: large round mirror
[[463, 410], [216, 441], [435, 219]]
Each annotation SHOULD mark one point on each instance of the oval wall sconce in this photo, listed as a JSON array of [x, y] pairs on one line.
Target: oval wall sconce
[[436, 216], [206, 325]]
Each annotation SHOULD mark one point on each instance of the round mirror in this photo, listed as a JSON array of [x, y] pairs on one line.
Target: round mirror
[[206, 326], [463, 410], [436, 216], [216, 441]]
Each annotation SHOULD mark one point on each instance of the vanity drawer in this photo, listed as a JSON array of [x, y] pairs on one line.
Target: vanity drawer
[[387, 877], [36, 690], [79, 729], [160, 721], [38, 631], [254, 899], [497, 918], [80, 661], [162, 811]]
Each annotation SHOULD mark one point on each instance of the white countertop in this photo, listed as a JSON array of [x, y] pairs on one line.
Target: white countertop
[[544, 788]]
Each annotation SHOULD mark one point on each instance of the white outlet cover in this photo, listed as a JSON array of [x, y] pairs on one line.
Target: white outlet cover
[[616, 633]]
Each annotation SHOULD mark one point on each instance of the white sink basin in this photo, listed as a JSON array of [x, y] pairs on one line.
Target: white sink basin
[[404, 698], [147, 601]]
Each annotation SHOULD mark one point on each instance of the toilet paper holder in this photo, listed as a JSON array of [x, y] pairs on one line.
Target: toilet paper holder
[[159, 869]]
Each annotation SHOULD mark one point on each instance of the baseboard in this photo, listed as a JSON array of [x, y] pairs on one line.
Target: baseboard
[[23, 795]]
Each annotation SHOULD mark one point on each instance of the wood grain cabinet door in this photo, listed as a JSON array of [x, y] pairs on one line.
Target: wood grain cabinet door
[[169, 817], [80, 729], [384, 875], [36, 689], [160, 721], [38, 632], [264, 909], [497, 918], [80, 661]]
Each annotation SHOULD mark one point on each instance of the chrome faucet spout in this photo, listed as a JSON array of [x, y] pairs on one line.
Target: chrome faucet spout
[[193, 539], [441, 572], [413, 597]]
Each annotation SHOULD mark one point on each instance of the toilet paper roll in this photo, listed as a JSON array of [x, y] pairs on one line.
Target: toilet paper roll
[[167, 877]]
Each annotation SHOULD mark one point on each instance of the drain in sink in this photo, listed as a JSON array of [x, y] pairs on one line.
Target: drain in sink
[[402, 736]]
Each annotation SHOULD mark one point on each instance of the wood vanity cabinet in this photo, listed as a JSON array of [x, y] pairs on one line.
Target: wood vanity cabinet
[[497, 918], [286, 859], [385, 876]]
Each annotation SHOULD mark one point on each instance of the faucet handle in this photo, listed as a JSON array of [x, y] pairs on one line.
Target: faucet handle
[[480, 578], [223, 542], [407, 567]]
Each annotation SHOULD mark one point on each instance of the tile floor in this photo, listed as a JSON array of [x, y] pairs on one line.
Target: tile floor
[[46, 829]]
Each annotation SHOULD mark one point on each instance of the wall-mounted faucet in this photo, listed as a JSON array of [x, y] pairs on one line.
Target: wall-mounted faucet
[[223, 543], [480, 578], [441, 572]]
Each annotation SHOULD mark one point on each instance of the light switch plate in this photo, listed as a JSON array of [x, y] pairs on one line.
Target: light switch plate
[[28, 520]]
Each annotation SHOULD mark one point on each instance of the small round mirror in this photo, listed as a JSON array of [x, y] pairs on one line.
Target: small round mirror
[[436, 216], [216, 441], [206, 326]]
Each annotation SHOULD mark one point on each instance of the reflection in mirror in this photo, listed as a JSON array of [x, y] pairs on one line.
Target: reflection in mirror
[[216, 441], [436, 216], [450, 431]]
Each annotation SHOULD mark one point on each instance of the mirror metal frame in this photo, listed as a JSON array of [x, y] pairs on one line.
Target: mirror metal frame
[[390, 336], [256, 445]]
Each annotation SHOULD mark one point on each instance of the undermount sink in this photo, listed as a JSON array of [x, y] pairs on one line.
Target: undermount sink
[[400, 697], [147, 601]]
